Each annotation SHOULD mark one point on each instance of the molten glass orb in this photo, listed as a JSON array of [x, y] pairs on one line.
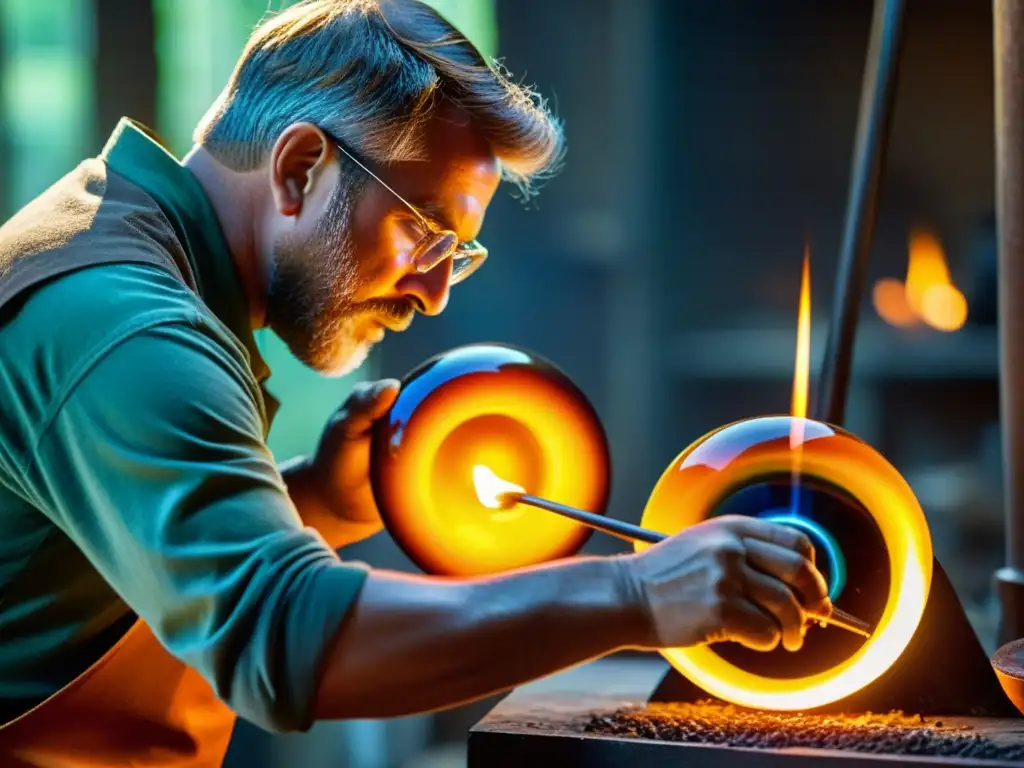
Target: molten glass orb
[[871, 539], [505, 409]]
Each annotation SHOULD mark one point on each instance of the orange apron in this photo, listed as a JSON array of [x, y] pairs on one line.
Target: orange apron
[[137, 706]]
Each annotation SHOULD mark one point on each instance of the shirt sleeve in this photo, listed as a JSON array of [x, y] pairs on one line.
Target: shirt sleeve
[[156, 467]]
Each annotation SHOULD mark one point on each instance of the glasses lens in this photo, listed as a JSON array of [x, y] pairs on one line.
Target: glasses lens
[[467, 260], [436, 247]]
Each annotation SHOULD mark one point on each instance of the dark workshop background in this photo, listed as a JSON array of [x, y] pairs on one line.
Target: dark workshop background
[[708, 142]]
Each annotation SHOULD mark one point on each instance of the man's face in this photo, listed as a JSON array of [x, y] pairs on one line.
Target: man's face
[[342, 271]]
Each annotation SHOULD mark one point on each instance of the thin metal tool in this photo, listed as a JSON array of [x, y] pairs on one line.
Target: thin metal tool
[[630, 532]]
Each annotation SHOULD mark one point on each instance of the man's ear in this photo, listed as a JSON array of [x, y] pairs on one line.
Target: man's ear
[[299, 154]]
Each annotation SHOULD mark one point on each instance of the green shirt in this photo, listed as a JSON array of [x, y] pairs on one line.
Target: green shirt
[[135, 479]]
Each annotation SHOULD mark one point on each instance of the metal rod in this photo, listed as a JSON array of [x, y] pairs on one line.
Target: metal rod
[[630, 532], [1008, 50], [626, 531], [873, 127]]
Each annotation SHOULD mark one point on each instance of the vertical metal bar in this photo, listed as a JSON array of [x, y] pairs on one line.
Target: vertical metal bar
[[632, 378], [873, 128], [1008, 50]]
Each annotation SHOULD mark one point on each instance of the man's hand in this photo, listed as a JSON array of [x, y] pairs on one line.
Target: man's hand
[[341, 466], [730, 578], [332, 489]]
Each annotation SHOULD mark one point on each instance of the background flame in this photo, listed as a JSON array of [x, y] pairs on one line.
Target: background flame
[[928, 296], [890, 299]]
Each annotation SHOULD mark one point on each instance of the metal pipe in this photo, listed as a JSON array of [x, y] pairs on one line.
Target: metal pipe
[[873, 126], [1008, 50]]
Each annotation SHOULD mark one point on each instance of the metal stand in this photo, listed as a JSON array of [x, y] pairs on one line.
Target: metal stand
[[943, 671]]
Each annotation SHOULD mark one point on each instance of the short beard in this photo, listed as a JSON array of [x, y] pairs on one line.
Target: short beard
[[310, 299]]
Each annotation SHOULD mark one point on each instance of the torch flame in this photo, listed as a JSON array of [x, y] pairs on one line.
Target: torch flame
[[490, 488], [801, 377], [801, 371]]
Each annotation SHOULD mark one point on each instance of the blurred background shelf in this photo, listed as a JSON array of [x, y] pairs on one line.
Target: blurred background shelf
[[764, 348]]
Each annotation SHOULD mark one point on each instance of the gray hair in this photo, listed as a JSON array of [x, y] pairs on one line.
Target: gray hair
[[371, 73]]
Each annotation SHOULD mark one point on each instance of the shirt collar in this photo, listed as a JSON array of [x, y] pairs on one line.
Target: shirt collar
[[135, 152]]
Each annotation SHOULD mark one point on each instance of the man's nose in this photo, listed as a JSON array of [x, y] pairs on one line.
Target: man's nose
[[428, 291]]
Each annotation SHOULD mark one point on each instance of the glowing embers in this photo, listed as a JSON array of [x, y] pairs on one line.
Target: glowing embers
[[848, 489], [512, 412], [888, 734]]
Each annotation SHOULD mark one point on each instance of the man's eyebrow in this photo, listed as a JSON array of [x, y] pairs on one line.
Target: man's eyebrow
[[437, 214]]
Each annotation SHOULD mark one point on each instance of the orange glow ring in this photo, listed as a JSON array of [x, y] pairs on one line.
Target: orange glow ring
[[741, 452], [511, 411]]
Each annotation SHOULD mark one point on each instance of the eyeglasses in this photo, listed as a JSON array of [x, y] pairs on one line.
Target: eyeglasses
[[436, 243]]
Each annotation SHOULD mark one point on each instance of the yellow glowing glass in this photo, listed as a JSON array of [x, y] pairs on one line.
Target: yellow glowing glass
[[515, 414], [738, 454]]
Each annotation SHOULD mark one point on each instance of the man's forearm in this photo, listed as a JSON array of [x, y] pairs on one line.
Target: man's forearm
[[414, 644]]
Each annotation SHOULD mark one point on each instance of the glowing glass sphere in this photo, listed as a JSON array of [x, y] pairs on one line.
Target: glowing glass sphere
[[516, 414], [851, 498]]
